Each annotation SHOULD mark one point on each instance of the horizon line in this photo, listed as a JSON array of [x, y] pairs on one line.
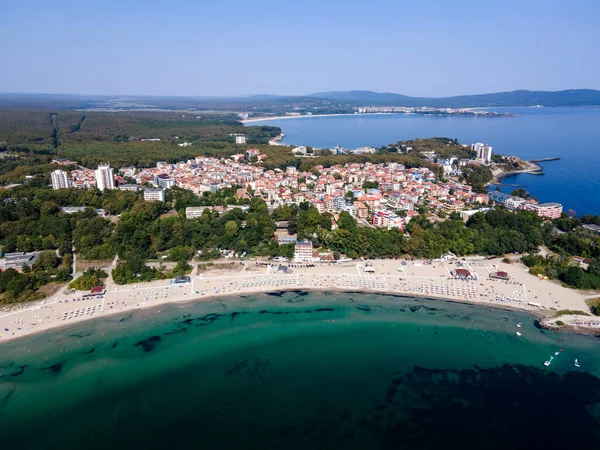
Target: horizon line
[[314, 94]]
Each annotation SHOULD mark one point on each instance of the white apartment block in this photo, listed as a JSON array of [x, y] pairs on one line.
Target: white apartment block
[[59, 179], [105, 178], [154, 195], [485, 154]]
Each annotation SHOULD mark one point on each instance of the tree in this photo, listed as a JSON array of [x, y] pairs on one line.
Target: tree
[[370, 185], [46, 260], [231, 228]]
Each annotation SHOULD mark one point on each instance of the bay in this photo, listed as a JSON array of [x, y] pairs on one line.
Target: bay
[[572, 134], [301, 370]]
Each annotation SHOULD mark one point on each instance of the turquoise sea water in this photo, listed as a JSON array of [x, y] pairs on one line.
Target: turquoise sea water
[[302, 370], [569, 133]]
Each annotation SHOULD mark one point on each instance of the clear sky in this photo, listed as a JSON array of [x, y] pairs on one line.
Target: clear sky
[[219, 47]]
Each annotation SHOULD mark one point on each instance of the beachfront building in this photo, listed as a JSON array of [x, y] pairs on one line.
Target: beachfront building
[[96, 292], [59, 179], [500, 275], [546, 210], [181, 279], [461, 273], [105, 177], [154, 195], [303, 251]]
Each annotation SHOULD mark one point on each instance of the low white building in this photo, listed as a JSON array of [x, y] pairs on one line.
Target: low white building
[[303, 251], [193, 212], [154, 195]]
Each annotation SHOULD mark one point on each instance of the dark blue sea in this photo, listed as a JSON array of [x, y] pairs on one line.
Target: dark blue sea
[[573, 134]]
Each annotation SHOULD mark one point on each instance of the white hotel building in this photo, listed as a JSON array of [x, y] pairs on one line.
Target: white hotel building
[[105, 177], [59, 179]]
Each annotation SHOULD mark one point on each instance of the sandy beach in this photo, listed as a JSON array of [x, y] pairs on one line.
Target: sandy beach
[[523, 291]]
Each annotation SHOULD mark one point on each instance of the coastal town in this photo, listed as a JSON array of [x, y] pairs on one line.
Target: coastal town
[[384, 195]]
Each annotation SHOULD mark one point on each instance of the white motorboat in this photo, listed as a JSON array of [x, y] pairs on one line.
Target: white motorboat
[[547, 363], [576, 363], [518, 334]]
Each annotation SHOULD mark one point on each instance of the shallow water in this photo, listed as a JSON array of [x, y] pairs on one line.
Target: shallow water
[[301, 370]]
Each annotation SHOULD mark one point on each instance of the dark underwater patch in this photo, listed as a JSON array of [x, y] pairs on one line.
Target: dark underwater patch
[[254, 370], [81, 335], [365, 308], [89, 352], [495, 408], [276, 293], [275, 313], [114, 345], [178, 331], [126, 318], [7, 397], [20, 370], [297, 296], [237, 313], [55, 369], [148, 344]]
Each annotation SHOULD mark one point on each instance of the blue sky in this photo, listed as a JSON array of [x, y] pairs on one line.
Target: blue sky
[[417, 47]]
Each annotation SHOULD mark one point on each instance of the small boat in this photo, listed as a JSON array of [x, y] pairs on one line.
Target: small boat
[[576, 363], [518, 334], [519, 325], [555, 353], [547, 363]]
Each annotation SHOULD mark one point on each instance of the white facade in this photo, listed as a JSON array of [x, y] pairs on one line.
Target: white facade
[[165, 181], [193, 212], [477, 148], [485, 154], [303, 251], [59, 179], [514, 203], [105, 178], [154, 195], [239, 139]]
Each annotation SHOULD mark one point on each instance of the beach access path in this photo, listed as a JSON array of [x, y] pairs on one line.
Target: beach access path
[[523, 291]]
